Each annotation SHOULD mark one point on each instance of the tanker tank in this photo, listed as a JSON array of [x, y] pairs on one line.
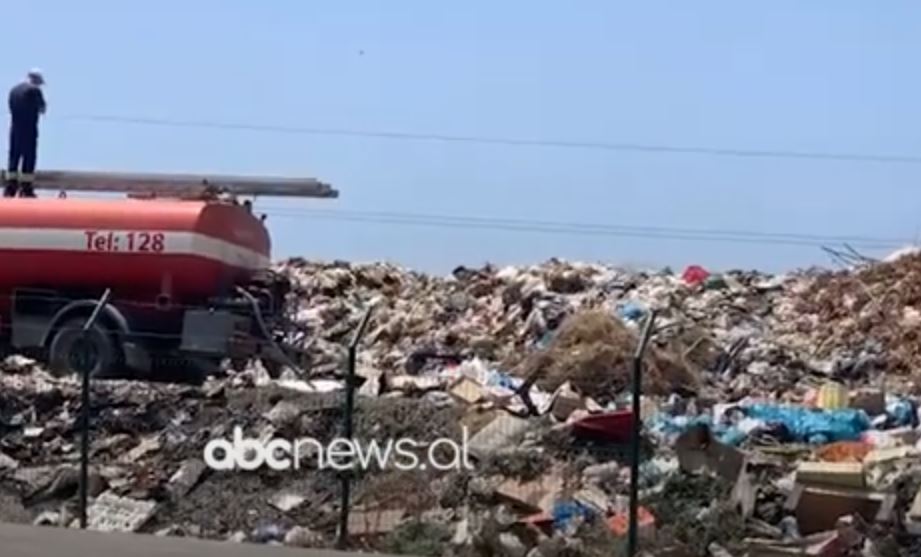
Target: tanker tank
[[141, 249]]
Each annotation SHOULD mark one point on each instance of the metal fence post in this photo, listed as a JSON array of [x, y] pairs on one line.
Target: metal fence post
[[632, 534], [348, 425], [84, 367]]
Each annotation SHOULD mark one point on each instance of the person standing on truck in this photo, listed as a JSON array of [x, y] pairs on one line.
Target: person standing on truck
[[27, 104]]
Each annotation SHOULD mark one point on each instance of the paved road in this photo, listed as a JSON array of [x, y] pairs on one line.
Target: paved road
[[30, 541]]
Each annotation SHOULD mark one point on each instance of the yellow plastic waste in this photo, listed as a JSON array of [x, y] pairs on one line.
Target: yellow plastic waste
[[832, 396]]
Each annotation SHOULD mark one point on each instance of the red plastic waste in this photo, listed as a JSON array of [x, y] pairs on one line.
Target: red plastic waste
[[695, 275], [615, 426], [620, 522]]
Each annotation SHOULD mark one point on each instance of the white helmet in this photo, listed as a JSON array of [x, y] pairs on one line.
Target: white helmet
[[36, 76]]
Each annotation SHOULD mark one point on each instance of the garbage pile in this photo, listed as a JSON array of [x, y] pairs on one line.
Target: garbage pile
[[780, 417], [861, 322]]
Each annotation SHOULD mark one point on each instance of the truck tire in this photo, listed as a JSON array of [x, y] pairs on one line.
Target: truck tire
[[199, 369], [194, 370], [97, 350]]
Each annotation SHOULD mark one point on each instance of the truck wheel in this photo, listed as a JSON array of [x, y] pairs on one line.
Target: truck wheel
[[71, 352], [201, 368]]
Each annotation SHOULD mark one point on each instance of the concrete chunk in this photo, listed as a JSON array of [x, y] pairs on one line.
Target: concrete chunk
[[372, 385], [374, 522], [500, 433], [182, 482], [913, 517], [300, 536], [915, 512], [286, 501], [511, 546], [110, 513], [880, 456], [283, 413], [8, 463], [47, 518], [145, 447], [462, 535], [823, 544], [415, 383], [534, 496]]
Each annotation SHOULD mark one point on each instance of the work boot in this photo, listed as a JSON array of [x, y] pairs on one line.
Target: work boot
[[11, 188], [26, 190]]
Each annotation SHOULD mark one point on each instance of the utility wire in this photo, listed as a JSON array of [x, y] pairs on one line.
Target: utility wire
[[574, 228], [516, 142], [598, 230], [593, 227]]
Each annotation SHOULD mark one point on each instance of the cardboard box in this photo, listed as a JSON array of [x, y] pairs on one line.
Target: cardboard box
[[534, 496], [818, 508], [565, 402], [698, 451], [871, 401], [468, 390], [842, 474]]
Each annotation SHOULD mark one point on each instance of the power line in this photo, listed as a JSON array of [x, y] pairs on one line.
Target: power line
[[514, 142], [577, 229], [584, 226]]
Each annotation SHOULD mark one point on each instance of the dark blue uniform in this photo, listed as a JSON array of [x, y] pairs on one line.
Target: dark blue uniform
[[26, 104]]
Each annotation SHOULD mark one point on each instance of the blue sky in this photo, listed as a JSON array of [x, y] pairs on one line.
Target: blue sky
[[832, 76]]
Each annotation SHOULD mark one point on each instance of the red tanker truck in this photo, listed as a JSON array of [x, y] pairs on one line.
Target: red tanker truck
[[185, 262]]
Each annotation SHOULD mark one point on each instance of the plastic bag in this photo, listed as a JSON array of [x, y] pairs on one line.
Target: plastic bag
[[695, 275], [813, 426], [631, 311], [901, 412], [565, 512]]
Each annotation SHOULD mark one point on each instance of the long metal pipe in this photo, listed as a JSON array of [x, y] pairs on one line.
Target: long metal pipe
[[85, 412], [635, 438], [344, 509], [179, 184]]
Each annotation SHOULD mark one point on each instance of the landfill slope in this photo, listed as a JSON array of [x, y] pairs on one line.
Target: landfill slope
[[762, 396], [874, 314]]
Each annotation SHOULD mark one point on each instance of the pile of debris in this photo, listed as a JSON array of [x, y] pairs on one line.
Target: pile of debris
[[866, 321], [149, 472], [780, 418]]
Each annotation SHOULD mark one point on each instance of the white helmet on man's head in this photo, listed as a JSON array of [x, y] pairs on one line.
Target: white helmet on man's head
[[36, 77]]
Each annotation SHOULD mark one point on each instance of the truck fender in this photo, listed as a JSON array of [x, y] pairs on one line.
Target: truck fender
[[109, 314]]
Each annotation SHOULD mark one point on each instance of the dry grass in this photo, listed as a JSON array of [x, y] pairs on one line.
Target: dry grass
[[594, 351]]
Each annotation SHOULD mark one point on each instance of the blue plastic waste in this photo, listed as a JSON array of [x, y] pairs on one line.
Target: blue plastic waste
[[676, 425], [266, 533], [545, 340], [502, 379], [669, 425], [631, 311], [564, 512], [731, 436], [901, 412], [813, 426]]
